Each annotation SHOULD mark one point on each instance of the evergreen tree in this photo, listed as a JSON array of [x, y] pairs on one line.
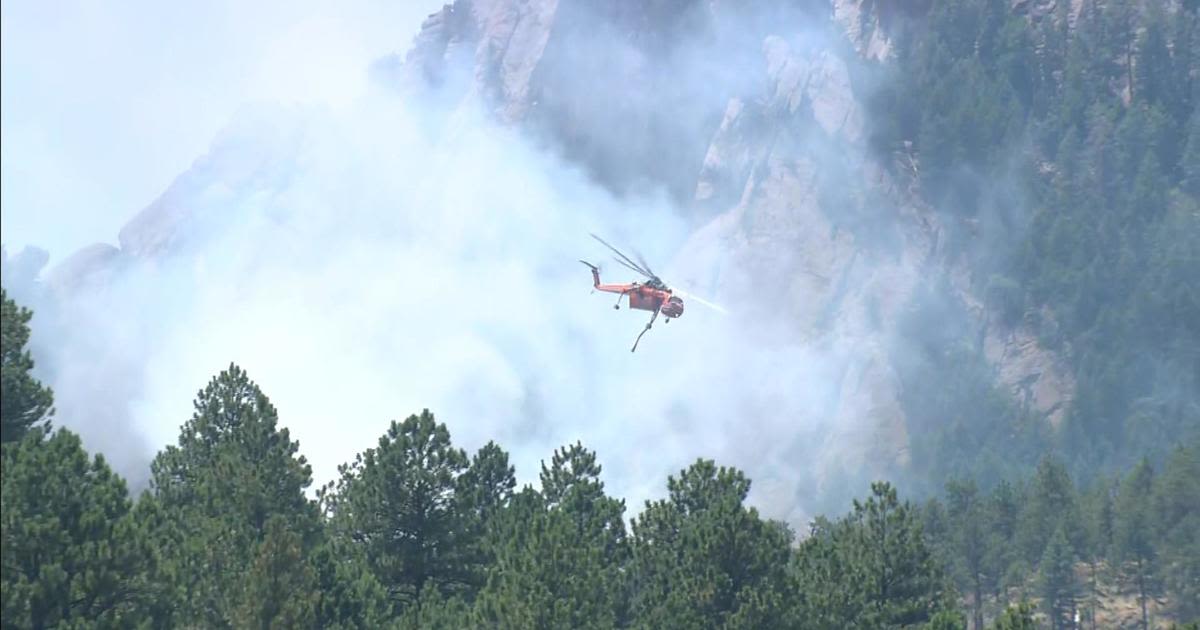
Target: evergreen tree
[[1177, 507], [1154, 70], [1050, 503], [488, 483], [1057, 580], [1189, 163], [1004, 508], [560, 554], [873, 568], [1134, 535], [703, 560], [968, 536], [1099, 519], [483, 491], [24, 402], [281, 586], [350, 595], [72, 557], [399, 503], [433, 611], [1016, 618], [212, 496]]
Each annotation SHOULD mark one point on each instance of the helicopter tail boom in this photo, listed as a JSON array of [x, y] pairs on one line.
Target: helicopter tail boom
[[595, 273]]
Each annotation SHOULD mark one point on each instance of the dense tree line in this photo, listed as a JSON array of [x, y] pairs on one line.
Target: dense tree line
[[416, 533], [1062, 151], [1062, 542]]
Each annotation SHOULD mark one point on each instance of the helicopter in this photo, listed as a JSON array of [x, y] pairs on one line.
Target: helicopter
[[653, 295]]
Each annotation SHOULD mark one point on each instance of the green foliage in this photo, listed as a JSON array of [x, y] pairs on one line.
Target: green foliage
[[1177, 509], [487, 485], [1018, 617], [701, 559], [24, 402], [873, 568], [963, 423], [947, 620], [350, 596], [560, 553], [968, 538], [432, 611], [415, 536], [1056, 582], [72, 556], [1050, 506], [211, 499], [1134, 531], [399, 503], [280, 588], [1063, 156]]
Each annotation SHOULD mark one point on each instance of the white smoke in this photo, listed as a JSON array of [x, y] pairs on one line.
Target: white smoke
[[366, 258]]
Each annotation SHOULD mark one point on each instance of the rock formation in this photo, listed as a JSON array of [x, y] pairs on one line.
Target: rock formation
[[751, 123]]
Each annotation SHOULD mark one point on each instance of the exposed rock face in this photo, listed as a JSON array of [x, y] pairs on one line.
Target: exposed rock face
[[631, 91], [93, 265], [861, 20], [776, 154], [843, 289], [1038, 378], [758, 134], [232, 166]]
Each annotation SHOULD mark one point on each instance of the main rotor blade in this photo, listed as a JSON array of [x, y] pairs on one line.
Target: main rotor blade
[[642, 261], [624, 257], [631, 267]]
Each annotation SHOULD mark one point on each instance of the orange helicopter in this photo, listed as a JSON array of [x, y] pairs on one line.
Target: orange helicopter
[[653, 295]]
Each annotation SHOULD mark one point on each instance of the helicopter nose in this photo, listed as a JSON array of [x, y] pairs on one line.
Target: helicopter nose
[[673, 307]]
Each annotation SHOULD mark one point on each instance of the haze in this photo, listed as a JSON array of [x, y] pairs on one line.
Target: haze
[[365, 256]]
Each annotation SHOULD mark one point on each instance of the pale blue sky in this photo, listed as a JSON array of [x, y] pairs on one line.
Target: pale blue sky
[[104, 102]]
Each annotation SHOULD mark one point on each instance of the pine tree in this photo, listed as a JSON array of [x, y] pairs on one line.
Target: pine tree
[[72, 556], [1004, 508], [1050, 502], [1057, 580], [1134, 535], [351, 598], [872, 568], [24, 402], [487, 485], [281, 587], [969, 535], [703, 560], [1153, 71], [432, 611], [483, 491], [1189, 163], [1099, 520], [1016, 618], [1177, 506], [399, 503], [212, 496], [561, 553]]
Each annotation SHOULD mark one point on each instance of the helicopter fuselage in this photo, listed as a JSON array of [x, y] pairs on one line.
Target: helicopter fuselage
[[644, 296]]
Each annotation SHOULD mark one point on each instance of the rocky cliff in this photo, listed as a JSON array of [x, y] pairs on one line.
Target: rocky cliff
[[788, 202], [750, 118]]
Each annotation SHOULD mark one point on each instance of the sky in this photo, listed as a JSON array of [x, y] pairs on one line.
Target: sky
[[104, 102]]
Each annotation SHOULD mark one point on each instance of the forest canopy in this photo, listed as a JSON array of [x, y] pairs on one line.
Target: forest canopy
[[416, 533]]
